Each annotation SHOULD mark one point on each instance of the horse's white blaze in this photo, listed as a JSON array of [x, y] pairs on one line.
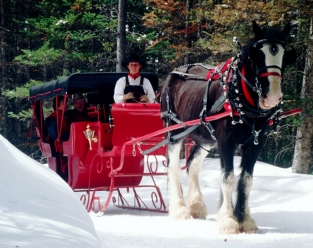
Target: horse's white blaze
[[195, 199], [248, 224], [226, 219], [177, 208], [274, 95]]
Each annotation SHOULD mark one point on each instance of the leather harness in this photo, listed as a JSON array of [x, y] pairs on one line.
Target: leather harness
[[229, 75]]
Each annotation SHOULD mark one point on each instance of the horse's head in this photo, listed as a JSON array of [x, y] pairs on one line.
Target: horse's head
[[269, 55]]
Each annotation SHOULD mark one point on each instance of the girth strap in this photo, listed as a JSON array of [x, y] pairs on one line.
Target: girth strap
[[205, 100]]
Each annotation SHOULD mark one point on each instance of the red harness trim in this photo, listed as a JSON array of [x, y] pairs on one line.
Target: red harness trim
[[217, 72], [286, 114], [245, 90], [266, 74]]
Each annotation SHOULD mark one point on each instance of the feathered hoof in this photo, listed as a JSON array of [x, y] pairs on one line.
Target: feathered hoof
[[179, 213], [228, 225], [198, 210], [248, 225]]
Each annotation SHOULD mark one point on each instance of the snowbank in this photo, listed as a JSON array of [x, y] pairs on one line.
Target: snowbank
[[37, 208]]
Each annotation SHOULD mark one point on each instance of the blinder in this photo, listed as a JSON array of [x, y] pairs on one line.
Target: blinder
[[274, 49]]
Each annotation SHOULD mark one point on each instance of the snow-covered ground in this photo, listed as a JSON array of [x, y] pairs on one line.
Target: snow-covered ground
[[37, 209]]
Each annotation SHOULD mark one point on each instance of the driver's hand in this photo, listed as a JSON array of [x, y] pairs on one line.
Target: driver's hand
[[143, 98], [129, 96]]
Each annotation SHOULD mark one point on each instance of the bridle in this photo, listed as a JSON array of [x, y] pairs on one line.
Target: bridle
[[260, 73], [241, 101], [274, 49]]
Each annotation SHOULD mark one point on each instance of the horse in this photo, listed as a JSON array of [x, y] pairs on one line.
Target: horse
[[248, 86]]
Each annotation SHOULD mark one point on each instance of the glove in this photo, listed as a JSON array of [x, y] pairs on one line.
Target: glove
[[129, 96], [143, 98]]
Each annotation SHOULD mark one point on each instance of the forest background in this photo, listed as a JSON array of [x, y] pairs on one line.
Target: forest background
[[42, 40]]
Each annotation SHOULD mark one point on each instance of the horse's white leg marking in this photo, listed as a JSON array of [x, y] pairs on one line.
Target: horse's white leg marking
[[177, 208], [227, 221], [248, 225], [195, 199]]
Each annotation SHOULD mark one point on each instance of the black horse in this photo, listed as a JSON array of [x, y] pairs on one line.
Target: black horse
[[249, 86]]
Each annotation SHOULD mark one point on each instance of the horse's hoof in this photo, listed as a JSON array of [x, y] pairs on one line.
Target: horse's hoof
[[198, 210], [228, 225], [248, 225], [179, 213]]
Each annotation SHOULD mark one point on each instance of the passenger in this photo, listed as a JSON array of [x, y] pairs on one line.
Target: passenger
[[133, 87], [51, 121], [79, 113]]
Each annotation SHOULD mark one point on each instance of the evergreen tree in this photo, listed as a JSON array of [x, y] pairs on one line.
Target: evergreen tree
[[178, 26]]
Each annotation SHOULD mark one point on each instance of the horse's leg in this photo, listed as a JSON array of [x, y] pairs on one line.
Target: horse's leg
[[177, 207], [242, 209], [195, 199], [226, 219]]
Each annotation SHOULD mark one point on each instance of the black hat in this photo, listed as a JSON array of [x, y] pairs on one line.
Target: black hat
[[77, 96], [133, 58]]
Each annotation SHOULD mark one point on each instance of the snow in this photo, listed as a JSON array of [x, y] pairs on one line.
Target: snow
[[37, 209]]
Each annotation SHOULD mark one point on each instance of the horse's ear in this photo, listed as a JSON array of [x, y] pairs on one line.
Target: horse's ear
[[286, 30], [290, 56], [258, 32]]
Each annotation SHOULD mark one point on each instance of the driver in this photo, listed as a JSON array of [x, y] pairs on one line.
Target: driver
[[133, 87]]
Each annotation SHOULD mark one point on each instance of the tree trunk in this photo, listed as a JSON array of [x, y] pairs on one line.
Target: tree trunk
[[3, 78], [303, 148], [66, 69], [19, 39], [187, 34], [121, 34]]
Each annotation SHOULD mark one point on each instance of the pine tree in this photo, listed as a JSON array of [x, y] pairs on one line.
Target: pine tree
[[179, 26]]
